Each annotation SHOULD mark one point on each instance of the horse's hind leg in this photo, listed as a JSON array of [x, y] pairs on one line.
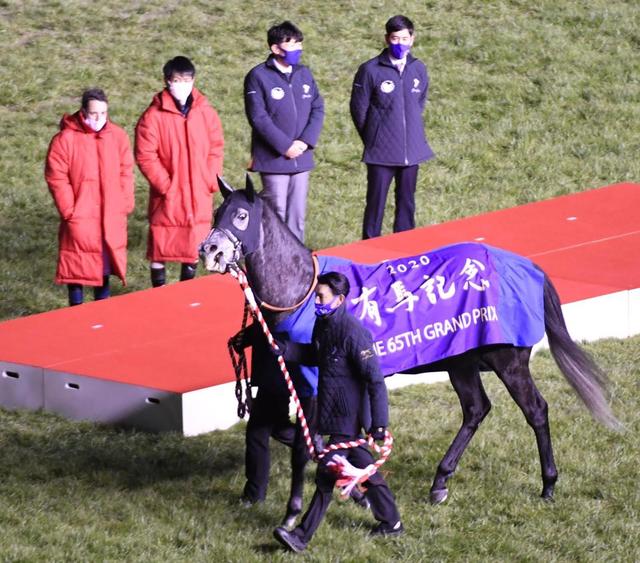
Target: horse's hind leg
[[475, 407], [512, 367]]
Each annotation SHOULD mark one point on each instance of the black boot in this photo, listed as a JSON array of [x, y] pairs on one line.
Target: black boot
[[103, 291], [158, 277], [76, 294], [188, 271]]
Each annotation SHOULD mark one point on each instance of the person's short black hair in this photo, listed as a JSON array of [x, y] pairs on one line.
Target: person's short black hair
[[398, 23], [178, 65], [337, 282], [283, 32], [93, 94]]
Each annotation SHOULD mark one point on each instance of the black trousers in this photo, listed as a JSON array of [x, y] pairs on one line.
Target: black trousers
[[381, 499], [378, 181], [269, 417]]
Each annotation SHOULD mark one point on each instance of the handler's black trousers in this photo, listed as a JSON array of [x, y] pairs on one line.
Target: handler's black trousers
[[378, 181], [269, 417], [381, 499]]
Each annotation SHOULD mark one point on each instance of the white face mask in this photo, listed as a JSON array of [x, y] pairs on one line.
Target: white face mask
[[181, 91], [96, 124]]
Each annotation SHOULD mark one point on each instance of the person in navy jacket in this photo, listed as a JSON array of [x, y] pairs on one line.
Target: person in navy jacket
[[286, 112], [269, 413], [388, 97], [352, 396]]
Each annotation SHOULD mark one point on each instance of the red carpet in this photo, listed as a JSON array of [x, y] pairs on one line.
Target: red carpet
[[174, 338]]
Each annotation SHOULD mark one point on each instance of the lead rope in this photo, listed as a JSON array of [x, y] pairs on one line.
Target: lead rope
[[348, 475], [239, 362]]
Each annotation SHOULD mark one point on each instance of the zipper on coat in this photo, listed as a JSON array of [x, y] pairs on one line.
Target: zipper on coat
[[404, 117], [295, 110], [186, 138]]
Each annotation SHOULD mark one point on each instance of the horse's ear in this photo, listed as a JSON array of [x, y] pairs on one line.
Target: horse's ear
[[251, 192], [225, 189]]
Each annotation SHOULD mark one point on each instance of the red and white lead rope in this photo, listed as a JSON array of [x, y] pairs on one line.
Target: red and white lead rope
[[348, 475]]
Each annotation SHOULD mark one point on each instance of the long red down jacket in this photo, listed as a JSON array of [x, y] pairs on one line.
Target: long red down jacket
[[180, 157], [90, 176]]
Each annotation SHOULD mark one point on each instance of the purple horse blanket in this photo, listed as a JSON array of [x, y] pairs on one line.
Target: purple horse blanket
[[437, 304]]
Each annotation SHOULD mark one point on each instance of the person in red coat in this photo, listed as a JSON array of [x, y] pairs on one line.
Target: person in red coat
[[89, 171], [179, 149]]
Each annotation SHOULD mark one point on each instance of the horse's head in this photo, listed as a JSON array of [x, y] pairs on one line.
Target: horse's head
[[236, 228]]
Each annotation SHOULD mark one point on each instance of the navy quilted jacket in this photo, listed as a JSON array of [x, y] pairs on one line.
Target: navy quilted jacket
[[280, 109], [352, 394], [387, 107]]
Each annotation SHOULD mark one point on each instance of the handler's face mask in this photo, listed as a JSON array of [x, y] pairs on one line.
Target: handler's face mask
[[95, 124], [399, 50], [181, 90], [322, 310]]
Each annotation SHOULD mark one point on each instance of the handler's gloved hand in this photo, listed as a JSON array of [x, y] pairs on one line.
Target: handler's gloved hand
[[318, 443], [378, 433]]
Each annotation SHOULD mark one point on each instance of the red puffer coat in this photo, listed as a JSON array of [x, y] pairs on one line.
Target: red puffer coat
[[180, 157], [90, 176]]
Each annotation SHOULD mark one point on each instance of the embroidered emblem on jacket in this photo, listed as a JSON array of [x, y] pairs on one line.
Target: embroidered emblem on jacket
[[277, 93], [387, 86], [366, 354]]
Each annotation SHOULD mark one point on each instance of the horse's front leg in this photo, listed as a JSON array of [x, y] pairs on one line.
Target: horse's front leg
[[475, 407]]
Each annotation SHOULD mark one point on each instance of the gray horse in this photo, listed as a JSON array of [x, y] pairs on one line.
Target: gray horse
[[281, 272]]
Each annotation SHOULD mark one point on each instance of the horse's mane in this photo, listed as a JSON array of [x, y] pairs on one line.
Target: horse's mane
[[281, 269]]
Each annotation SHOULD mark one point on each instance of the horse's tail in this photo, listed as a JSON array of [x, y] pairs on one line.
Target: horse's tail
[[580, 370]]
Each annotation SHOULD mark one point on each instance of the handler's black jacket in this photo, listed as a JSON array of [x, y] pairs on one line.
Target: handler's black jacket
[[352, 394], [265, 371]]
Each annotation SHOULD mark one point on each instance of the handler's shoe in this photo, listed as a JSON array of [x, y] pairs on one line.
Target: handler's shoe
[[387, 530], [289, 539]]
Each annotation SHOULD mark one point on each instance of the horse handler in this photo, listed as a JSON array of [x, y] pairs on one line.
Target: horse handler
[[352, 396], [269, 417]]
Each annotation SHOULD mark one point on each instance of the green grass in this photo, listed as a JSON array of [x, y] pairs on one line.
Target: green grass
[[80, 492], [528, 100]]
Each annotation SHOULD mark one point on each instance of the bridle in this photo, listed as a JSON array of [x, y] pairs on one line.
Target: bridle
[[233, 239], [233, 265]]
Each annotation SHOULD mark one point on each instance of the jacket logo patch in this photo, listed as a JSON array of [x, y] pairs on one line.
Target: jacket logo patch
[[306, 89], [277, 93], [366, 354], [415, 89], [387, 86]]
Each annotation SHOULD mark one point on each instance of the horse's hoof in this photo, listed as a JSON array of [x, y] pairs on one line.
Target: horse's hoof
[[438, 496], [247, 502], [289, 521], [547, 496]]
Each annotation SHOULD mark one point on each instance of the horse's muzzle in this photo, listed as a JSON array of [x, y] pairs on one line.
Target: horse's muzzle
[[212, 258]]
